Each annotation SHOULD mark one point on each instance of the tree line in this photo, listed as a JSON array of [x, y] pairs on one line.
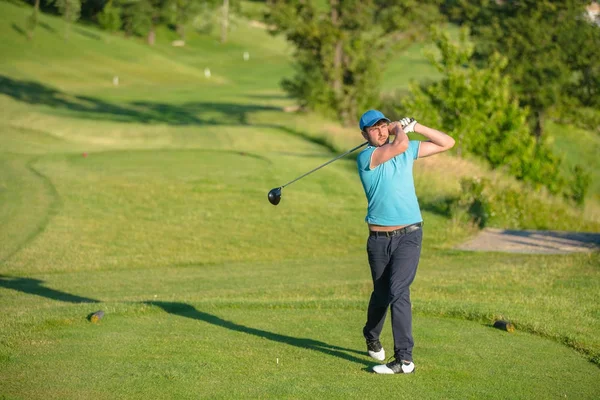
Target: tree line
[[518, 63], [140, 17]]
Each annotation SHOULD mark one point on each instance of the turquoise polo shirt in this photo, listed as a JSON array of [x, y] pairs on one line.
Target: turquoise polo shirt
[[390, 188]]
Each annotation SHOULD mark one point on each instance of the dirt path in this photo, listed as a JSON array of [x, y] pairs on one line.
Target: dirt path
[[540, 242]]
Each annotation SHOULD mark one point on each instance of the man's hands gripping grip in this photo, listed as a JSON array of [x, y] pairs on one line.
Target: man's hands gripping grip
[[408, 124]]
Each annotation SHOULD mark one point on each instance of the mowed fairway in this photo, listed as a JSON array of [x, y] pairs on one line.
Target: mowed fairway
[[149, 201]]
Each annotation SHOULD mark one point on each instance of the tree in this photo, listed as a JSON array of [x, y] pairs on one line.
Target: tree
[[110, 17], [70, 10], [341, 48], [225, 21], [580, 40], [530, 33], [32, 20], [180, 12], [143, 16], [479, 108]]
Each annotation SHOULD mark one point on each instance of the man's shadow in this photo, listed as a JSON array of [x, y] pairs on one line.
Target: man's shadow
[[34, 286], [188, 311]]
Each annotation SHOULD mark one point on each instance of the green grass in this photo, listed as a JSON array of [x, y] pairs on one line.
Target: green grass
[[578, 147], [211, 292]]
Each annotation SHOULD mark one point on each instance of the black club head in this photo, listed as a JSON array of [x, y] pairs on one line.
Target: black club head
[[275, 196]]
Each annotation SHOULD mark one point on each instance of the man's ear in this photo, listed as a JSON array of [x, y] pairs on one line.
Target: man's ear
[[365, 135]]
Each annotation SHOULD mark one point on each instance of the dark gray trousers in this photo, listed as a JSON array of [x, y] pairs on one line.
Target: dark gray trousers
[[393, 261]]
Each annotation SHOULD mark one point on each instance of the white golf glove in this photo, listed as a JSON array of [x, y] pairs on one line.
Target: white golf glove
[[408, 124]]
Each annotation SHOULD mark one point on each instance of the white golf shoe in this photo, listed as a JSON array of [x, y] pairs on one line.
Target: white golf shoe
[[375, 350], [395, 367]]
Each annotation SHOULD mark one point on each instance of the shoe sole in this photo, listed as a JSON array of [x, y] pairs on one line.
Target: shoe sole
[[379, 356], [384, 370]]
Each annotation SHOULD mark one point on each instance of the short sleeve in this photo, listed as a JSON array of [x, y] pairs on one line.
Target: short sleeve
[[413, 148], [364, 159]]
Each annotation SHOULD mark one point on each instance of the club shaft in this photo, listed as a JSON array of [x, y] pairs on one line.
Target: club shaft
[[327, 163]]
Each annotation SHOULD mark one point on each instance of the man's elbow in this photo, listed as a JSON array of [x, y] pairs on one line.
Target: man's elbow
[[402, 147], [405, 145], [451, 143]]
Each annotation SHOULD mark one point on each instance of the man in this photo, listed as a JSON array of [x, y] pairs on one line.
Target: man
[[395, 234]]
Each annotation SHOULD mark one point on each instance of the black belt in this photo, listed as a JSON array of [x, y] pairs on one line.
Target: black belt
[[402, 231]]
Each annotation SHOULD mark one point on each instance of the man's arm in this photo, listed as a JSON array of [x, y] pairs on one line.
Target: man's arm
[[390, 150], [437, 142]]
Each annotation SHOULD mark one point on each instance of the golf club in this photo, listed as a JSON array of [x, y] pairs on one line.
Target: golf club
[[275, 194]]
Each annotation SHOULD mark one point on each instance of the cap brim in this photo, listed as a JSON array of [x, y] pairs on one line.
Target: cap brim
[[371, 123]]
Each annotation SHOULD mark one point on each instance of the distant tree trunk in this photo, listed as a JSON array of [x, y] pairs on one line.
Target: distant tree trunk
[[67, 14], [225, 21], [338, 57], [151, 36], [180, 25], [33, 19], [538, 127]]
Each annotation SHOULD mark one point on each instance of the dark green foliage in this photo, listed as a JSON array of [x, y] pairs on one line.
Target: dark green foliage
[[473, 201], [484, 203], [463, 11], [579, 185], [180, 12], [110, 17], [478, 108], [341, 49], [581, 42], [70, 10], [141, 17], [575, 114], [137, 17], [550, 47]]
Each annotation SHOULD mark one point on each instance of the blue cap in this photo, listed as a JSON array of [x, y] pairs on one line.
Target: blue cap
[[370, 118]]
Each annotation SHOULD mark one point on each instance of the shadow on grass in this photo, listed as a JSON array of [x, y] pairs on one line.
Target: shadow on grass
[[533, 241], [18, 29], [87, 34], [191, 113], [34, 286], [188, 311], [321, 141], [46, 27], [268, 96], [149, 112]]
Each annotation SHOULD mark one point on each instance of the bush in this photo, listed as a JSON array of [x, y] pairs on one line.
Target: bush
[[477, 107], [579, 185], [473, 202], [484, 204], [578, 115], [110, 18]]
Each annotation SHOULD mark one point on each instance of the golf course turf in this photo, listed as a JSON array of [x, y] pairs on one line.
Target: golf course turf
[[148, 201]]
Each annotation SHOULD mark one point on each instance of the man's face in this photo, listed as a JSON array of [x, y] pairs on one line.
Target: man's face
[[378, 134]]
